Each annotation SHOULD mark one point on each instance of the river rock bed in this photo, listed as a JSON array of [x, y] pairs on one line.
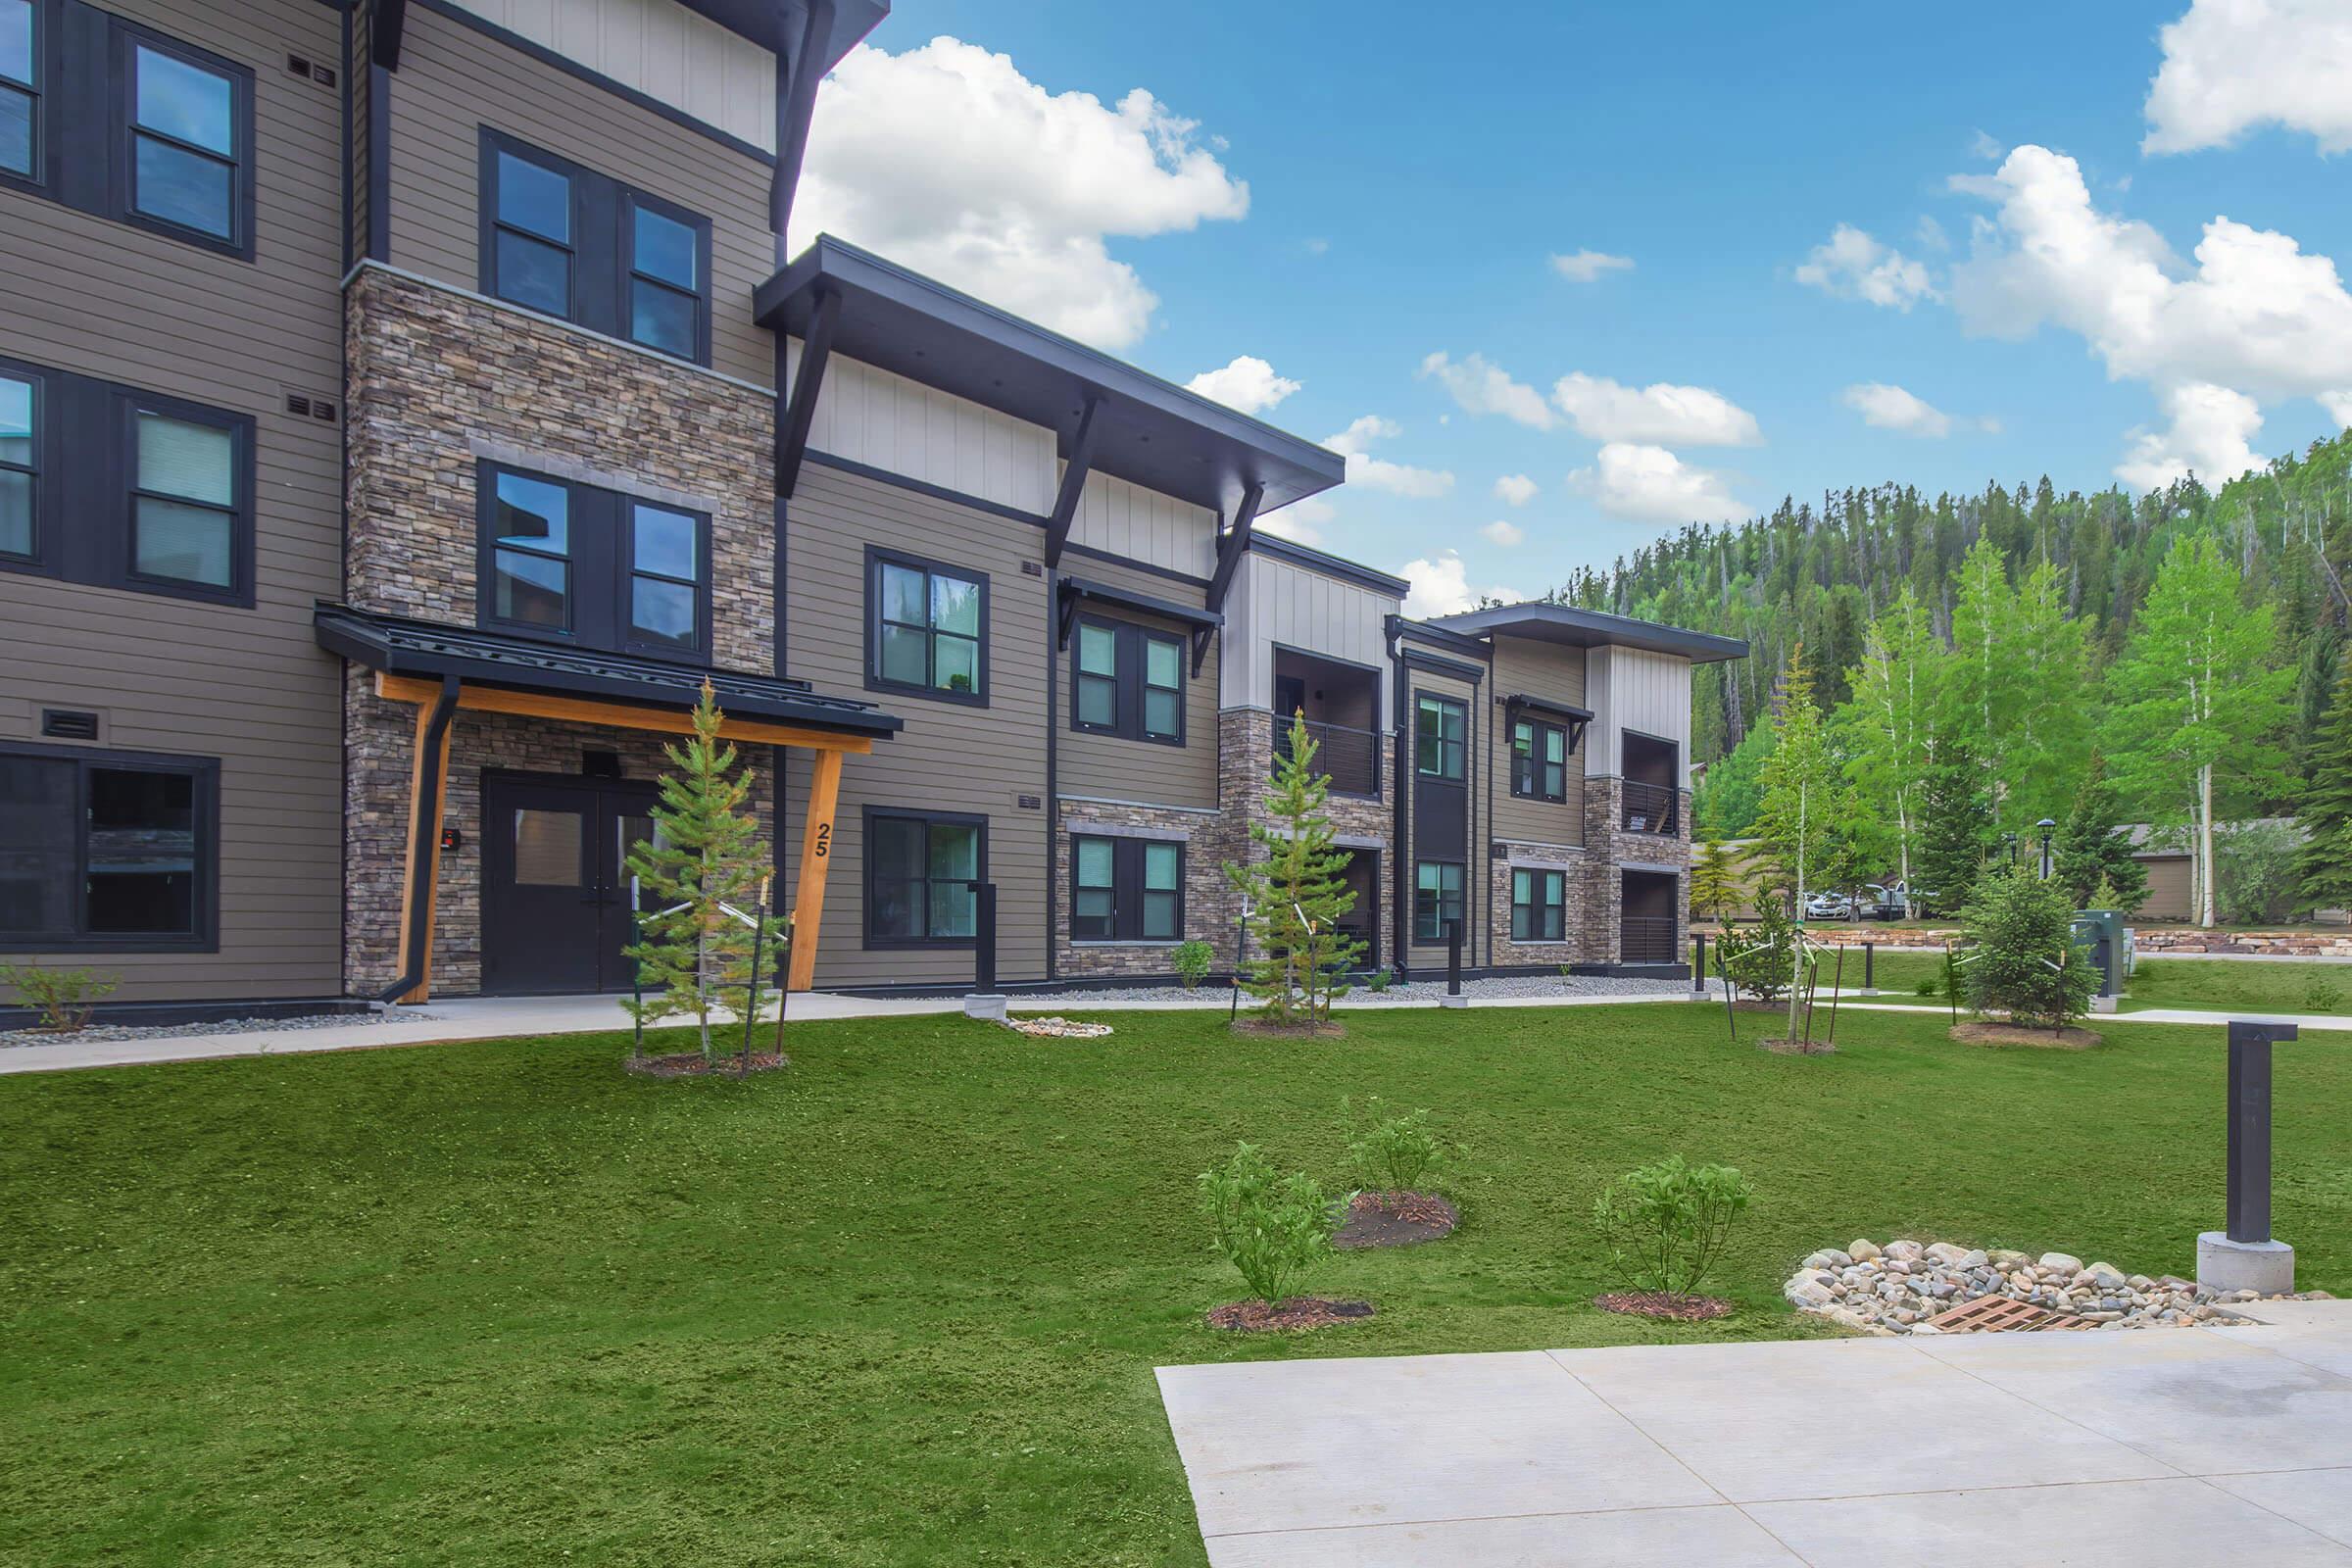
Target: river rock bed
[[1905, 1285]]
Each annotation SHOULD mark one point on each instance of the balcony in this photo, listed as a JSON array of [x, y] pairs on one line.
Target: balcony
[[1652, 769], [1650, 808], [1341, 703], [1648, 939], [1352, 757]]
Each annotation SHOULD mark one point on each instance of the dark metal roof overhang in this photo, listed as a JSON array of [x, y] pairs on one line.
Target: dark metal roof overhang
[[1146, 430], [1593, 628], [776, 25], [1574, 718], [1079, 591], [397, 646]]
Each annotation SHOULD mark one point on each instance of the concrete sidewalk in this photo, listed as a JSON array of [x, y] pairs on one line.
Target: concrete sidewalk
[[2163, 1444]]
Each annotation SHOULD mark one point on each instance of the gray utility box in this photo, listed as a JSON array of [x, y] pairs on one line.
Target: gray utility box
[[2102, 933]]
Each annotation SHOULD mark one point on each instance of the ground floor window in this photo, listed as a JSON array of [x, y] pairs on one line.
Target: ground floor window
[[1437, 899], [1538, 906], [920, 875], [1126, 890], [106, 849]]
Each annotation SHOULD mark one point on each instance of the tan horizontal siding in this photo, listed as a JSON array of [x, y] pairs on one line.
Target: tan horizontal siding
[[1558, 673], [1141, 771]]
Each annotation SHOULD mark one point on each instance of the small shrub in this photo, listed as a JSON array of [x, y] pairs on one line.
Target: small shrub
[[1271, 1228], [1378, 981], [2256, 881], [1760, 966], [1666, 1223], [1192, 960], [1390, 1153], [63, 998], [2026, 962], [2321, 993]]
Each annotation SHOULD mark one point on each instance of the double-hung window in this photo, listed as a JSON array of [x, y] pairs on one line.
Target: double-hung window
[[1539, 760], [186, 504], [19, 465], [1437, 899], [1126, 890], [110, 850], [1127, 680], [186, 150], [21, 49], [920, 874], [1441, 731], [927, 628], [1539, 904], [585, 564], [564, 241]]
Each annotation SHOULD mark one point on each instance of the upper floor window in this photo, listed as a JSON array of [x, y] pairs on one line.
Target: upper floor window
[[1441, 737], [108, 850], [1539, 760], [20, 88], [184, 145], [591, 565], [570, 242], [1126, 890], [19, 465], [927, 628], [184, 505], [1127, 680]]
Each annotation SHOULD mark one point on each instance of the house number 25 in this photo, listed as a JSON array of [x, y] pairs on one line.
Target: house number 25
[[825, 840]]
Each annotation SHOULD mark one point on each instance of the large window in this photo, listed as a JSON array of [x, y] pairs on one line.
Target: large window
[[1539, 760], [1437, 899], [1126, 890], [1127, 680], [106, 849], [920, 872], [1441, 731], [593, 567], [568, 241], [1538, 906], [20, 88], [184, 146], [123, 488], [927, 628]]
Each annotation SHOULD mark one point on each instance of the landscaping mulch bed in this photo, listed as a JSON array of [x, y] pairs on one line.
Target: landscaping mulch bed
[[1395, 1219], [1820, 1047], [1257, 1030], [2010, 1034], [689, 1064], [1296, 1313], [1665, 1304]]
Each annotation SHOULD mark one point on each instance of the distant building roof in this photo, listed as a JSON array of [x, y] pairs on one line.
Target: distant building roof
[[2147, 839], [1593, 628]]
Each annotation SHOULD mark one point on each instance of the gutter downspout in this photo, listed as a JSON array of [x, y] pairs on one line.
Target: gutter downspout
[[421, 874], [1053, 801], [1399, 915]]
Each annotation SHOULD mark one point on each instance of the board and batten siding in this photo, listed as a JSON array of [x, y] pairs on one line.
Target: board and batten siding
[[1106, 768], [1128, 520], [453, 80], [1275, 604], [884, 420], [658, 48], [249, 687], [1557, 673], [951, 757], [1635, 689]]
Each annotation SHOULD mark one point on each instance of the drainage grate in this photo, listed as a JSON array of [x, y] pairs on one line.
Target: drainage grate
[[1994, 1315]]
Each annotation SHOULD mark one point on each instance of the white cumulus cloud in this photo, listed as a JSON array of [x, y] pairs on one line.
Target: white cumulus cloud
[[1504, 533], [1441, 587], [948, 160], [1890, 408], [2211, 434], [1853, 265], [1515, 489], [1480, 387], [1246, 383], [1589, 267], [1301, 523], [1650, 484], [1378, 473], [2231, 66], [1686, 415]]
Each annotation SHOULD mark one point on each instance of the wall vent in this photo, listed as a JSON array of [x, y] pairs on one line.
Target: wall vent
[[312, 70], [310, 407], [66, 724], [1033, 568]]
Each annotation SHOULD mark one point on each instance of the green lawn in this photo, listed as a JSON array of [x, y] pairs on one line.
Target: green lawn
[[498, 1302], [2212, 984]]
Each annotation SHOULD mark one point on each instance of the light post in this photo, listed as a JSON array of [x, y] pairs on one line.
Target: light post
[[2010, 839], [2047, 828]]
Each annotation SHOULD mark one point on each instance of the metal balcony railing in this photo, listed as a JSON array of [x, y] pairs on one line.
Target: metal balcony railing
[[1647, 939], [1352, 757], [1650, 808]]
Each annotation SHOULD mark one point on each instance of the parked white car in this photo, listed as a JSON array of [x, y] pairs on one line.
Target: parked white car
[[1828, 906]]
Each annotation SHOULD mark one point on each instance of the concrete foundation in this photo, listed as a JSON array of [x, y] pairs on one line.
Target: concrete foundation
[[2104, 1003], [988, 1006], [1453, 1001], [2222, 1264]]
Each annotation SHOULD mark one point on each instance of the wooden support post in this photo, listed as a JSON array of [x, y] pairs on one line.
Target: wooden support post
[[428, 787], [817, 857]]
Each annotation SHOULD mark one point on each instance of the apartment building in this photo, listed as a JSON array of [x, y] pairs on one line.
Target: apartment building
[[404, 409]]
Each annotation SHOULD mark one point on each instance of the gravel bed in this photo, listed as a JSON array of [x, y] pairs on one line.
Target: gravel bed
[[104, 1034], [1495, 988]]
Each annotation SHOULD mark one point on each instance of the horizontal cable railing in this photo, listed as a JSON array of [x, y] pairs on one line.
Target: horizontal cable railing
[[1647, 939], [1352, 757], [1650, 807]]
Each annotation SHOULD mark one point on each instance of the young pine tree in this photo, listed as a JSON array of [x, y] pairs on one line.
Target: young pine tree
[[1297, 895], [1812, 824], [1714, 878], [694, 957], [1955, 830], [2090, 854], [2327, 813]]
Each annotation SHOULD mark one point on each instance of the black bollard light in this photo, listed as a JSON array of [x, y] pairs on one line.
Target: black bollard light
[[2244, 1255]]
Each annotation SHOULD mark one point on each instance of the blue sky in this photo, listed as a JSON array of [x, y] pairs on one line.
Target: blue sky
[[1407, 186]]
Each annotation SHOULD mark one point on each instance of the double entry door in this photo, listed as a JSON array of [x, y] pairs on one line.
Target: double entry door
[[555, 881]]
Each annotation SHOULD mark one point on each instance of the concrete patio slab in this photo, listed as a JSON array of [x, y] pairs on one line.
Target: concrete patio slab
[[2317, 1499], [1719, 1536]]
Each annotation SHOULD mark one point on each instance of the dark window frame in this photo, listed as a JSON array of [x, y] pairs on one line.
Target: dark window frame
[[601, 522], [41, 90], [876, 557], [1131, 676], [1431, 933], [1458, 750], [86, 440], [1129, 892], [876, 941], [205, 814], [1527, 770], [124, 38], [1524, 914], [603, 244], [39, 471]]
